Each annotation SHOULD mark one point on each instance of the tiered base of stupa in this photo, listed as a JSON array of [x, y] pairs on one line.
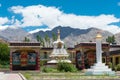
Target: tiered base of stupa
[[99, 69], [57, 61], [54, 62], [59, 58]]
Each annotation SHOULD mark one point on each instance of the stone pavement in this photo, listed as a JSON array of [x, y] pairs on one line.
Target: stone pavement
[[118, 73], [10, 76]]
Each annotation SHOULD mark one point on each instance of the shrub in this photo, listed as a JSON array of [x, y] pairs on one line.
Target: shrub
[[115, 68], [118, 67], [43, 62], [4, 62], [45, 69], [0, 65], [110, 65], [48, 69], [66, 67], [4, 52]]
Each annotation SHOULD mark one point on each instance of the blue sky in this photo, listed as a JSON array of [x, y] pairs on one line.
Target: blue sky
[[35, 15]]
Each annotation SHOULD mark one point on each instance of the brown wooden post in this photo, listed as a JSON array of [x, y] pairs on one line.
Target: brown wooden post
[[11, 59], [38, 59], [76, 60], [82, 54], [107, 57]]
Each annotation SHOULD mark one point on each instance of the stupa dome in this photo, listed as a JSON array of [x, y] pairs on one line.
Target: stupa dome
[[59, 52]]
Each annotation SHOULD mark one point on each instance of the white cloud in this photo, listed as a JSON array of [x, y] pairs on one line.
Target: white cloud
[[15, 22], [5, 23], [3, 20], [38, 15], [37, 30], [118, 3], [3, 27]]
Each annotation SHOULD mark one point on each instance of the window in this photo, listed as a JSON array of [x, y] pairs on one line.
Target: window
[[103, 60], [117, 60], [45, 55], [111, 60]]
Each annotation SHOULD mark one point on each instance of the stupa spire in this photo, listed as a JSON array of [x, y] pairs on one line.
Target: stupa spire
[[58, 35]]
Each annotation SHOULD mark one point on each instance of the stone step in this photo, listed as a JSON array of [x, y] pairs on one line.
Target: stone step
[[118, 73], [98, 64], [99, 67]]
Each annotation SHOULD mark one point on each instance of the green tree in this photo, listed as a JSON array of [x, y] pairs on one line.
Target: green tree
[[113, 39], [47, 40], [4, 53], [39, 39], [54, 37], [110, 39], [26, 39]]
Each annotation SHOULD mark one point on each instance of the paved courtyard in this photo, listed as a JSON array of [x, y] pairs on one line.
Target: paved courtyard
[[10, 76]]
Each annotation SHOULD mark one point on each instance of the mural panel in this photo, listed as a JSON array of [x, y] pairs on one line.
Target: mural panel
[[16, 58], [32, 58]]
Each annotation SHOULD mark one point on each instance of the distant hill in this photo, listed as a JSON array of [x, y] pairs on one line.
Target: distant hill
[[89, 36], [71, 36], [17, 34], [65, 31], [117, 36]]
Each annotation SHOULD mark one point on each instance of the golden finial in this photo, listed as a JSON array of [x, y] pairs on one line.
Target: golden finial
[[98, 36]]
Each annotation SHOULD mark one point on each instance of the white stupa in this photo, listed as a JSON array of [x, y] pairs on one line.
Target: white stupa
[[59, 52]]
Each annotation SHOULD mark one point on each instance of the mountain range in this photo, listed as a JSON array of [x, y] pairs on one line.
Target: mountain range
[[70, 36]]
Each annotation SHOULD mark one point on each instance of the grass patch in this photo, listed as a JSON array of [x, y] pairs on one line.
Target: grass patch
[[48, 69], [65, 75], [27, 75]]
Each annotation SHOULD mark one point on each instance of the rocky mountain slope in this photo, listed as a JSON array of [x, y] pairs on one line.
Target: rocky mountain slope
[[11, 34], [117, 37], [89, 36], [72, 36]]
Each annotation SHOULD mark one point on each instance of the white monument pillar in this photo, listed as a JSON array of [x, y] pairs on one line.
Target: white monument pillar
[[98, 49], [99, 68]]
